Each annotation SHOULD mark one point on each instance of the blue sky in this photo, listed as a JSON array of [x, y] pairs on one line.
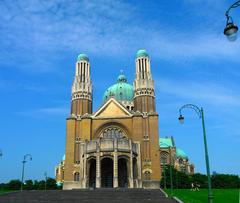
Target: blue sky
[[191, 62]]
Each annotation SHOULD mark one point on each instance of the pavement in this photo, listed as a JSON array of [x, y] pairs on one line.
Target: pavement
[[103, 195]]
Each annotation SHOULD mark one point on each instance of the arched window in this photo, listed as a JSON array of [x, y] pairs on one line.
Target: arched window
[[112, 132], [180, 161], [147, 175], [76, 176], [164, 157]]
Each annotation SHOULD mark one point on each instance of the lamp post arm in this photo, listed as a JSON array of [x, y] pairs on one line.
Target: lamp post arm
[[235, 5], [191, 106], [26, 156]]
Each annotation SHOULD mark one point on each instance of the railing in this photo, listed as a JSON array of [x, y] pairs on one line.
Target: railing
[[106, 145]]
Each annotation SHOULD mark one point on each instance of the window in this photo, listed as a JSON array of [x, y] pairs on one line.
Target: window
[[76, 176], [112, 132], [147, 175], [164, 157]]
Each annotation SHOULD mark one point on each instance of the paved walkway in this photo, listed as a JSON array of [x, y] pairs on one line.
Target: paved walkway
[[87, 196]]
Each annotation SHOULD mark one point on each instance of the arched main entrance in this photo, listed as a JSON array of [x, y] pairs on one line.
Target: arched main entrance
[[122, 173], [107, 172], [92, 173]]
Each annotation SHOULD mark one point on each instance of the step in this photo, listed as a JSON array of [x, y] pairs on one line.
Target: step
[[105, 195]]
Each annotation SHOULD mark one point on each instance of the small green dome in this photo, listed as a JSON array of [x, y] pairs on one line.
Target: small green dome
[[122, 78], [121, 91], [142, 53], [63, 158], [82, 57], [181, 153]]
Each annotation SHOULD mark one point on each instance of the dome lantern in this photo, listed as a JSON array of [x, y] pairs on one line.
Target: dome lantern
[[82, 57], [142, 53]]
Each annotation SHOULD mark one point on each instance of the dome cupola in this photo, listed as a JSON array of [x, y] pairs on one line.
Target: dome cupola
[[121, 91], [83, 57], [142, 53]]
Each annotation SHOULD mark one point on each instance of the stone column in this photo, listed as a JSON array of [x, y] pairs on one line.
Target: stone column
[[131, 166], [85, 172], [115, 165], [98, 167], [139, 167]]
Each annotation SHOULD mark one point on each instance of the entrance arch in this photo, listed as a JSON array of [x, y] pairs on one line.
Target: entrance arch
[[122, 172], [107, 172], [92, 173]]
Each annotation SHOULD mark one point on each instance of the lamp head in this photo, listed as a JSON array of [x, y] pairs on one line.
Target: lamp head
[[231, 31], [181, 119]]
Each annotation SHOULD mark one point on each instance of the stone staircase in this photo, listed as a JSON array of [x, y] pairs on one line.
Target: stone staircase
[[103, 195]]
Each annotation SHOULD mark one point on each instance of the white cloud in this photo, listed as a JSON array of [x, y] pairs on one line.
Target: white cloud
[[41, 27], [204, 92], [47, 111]]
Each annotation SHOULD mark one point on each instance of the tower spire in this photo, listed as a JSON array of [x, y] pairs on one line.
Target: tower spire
[[144, 96], [82, 87]]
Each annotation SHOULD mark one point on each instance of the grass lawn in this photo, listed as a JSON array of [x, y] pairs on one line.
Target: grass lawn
[[7, 191], [220, 195]]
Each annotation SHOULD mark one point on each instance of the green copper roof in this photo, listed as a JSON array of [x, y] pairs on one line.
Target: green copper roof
[[165, 142], [181, 153], [142, 53], [121, 91], [82, 57]]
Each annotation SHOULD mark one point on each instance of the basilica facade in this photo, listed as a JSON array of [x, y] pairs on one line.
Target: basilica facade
[[118, 144]]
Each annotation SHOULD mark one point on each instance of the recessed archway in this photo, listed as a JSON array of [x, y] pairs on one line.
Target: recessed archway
[[107, 172], [122, 172], [92, 173]]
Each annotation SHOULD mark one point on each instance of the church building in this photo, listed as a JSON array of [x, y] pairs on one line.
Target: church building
[[118, 145]]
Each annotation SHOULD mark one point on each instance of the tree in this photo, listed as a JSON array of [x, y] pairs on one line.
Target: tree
[[28, 185], [225, 181], [39, 185], [14, 185], [200, 179], [51, 184], [179, 179]]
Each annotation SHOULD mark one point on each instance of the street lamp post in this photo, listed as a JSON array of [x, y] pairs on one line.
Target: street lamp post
[[231, 29], [171, 178], [45, 174], [1, 153], [25, 161], [200, 114]]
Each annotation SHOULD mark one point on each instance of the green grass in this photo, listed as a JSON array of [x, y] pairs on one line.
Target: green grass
[[220, 195], [7, 191]]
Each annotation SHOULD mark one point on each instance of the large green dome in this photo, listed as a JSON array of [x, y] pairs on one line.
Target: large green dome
[[142, 53], [82, 57], [121, 91]]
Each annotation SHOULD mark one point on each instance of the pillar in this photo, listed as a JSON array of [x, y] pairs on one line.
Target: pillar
[[98, 170], [139, 167], [85, 172], [115, 165], [131, 166]]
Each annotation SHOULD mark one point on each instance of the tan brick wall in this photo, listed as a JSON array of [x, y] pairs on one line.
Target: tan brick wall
[[70, 152]]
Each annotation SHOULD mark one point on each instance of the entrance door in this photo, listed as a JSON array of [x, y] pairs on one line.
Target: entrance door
[[122, 173], [92, 173], [107, 172]]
